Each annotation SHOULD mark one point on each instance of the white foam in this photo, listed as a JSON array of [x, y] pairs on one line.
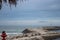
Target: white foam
[[12, 33]]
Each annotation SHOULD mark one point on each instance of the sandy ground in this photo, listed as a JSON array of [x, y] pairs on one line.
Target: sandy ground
[[24, 38]]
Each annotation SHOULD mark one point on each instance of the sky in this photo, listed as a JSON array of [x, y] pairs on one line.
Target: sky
[[31, 12]]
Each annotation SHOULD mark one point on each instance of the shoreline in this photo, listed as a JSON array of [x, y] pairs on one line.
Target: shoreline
[[35, 33]]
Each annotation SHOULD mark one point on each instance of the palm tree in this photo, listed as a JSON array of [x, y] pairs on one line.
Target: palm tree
[[0, 4]]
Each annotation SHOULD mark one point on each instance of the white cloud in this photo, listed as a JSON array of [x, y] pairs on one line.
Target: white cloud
[[42, 5]]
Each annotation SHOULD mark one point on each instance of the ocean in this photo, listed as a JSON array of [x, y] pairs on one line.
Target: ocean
[[15, 29]]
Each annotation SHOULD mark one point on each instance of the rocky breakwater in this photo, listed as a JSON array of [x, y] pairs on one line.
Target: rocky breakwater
[[28, 34], [51, 28], [38, 34]]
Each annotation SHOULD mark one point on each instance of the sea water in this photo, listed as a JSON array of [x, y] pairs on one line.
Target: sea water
[[12, 29], [15, 29]]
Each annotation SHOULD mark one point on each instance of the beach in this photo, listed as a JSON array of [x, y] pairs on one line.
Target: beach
[[45, 33]]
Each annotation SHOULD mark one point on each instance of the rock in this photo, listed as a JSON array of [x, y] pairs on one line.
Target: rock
[[51, 28], [27, 31]]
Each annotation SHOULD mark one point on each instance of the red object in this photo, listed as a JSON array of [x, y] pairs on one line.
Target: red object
[[3, 36]]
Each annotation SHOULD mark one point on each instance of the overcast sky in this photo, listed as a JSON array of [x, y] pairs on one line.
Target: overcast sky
[[31, 12]]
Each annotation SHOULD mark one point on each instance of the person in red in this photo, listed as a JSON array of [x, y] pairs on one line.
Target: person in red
[[3, 35]]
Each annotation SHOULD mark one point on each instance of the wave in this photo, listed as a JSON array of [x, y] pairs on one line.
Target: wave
[[12, 33]]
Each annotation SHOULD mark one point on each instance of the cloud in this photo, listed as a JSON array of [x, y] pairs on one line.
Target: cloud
[[19, 22], [30, 22], [41, 5], [48, 4], [31, 10]]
